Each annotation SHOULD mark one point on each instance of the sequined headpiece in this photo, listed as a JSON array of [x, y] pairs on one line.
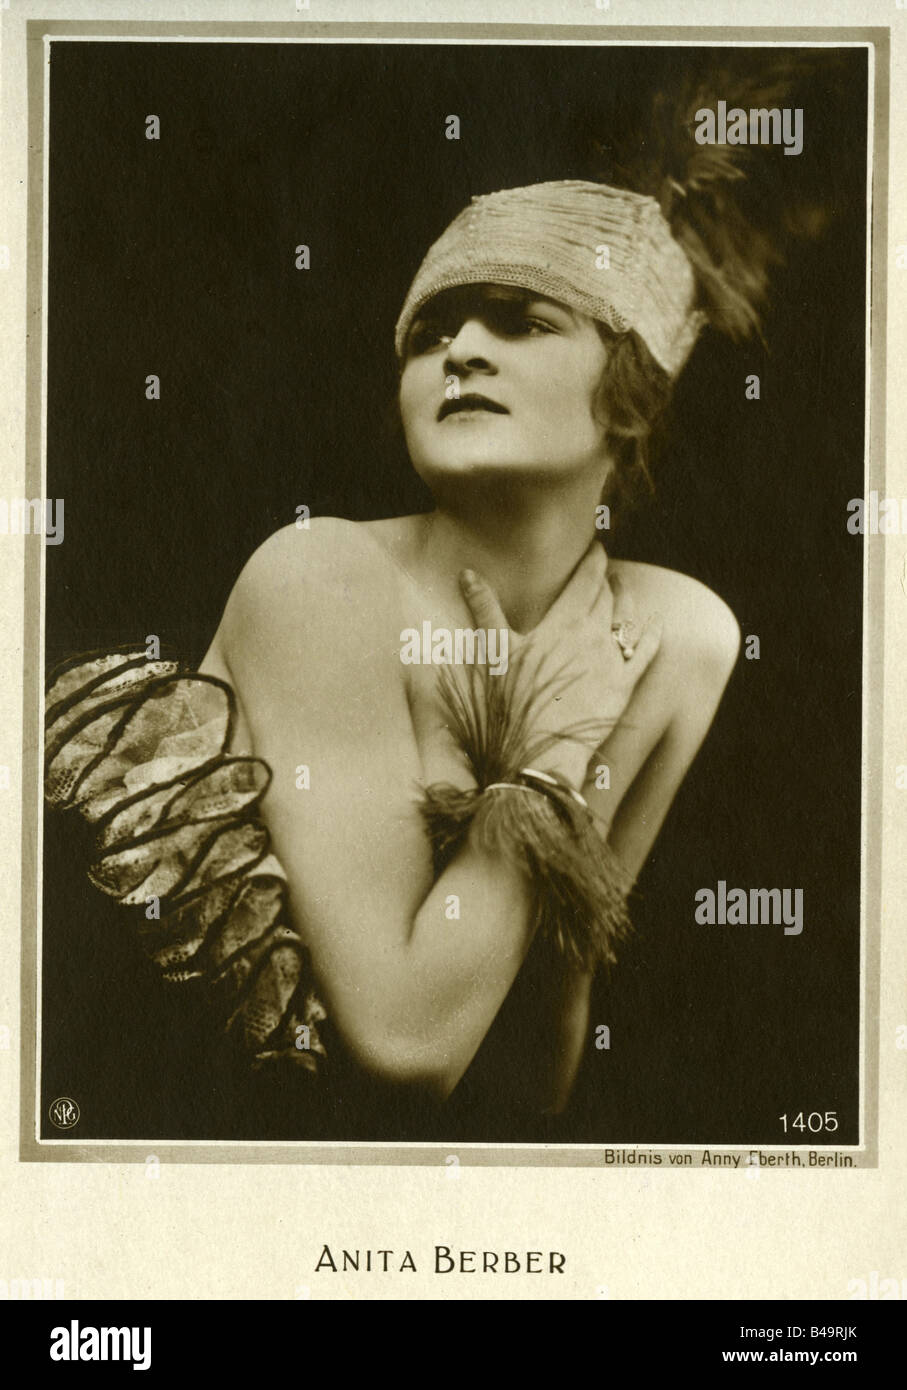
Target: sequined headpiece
[[604, 251]]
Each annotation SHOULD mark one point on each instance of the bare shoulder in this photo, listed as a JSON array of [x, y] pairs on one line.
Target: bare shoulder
[[325, 552], [701, 635], [305, 586], [328, 557]]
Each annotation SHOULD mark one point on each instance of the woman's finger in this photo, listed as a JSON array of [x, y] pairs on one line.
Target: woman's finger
[[482, 600]]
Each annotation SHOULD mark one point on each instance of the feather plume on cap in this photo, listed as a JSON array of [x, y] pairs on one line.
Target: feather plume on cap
[[730, 207]]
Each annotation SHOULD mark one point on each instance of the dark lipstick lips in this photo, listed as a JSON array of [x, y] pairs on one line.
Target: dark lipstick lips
[[472, 402]]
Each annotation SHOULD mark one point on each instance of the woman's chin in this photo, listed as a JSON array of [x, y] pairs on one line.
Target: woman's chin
[[477, 470], [462, 471]]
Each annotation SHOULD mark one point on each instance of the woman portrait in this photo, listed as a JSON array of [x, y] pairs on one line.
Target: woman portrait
[[454, 586]]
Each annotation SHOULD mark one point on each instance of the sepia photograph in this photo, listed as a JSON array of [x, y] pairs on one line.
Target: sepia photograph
[[453, 606]]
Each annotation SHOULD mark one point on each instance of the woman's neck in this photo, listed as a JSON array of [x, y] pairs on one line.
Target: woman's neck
[[525, 552]]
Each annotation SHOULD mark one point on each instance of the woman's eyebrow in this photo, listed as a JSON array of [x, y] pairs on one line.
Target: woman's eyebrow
[[504, 296], [553, 306]]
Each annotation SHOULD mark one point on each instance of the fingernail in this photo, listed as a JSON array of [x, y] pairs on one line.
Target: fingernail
[[468, 578]]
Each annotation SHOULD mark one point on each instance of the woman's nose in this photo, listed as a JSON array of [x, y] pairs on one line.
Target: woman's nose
[[472, 347]]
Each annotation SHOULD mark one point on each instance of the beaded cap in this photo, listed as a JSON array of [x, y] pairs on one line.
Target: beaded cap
[[604, 251]]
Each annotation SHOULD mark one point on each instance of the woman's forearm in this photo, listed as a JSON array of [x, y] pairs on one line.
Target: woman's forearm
[[463, 948], [570, 1034], [439, 990]]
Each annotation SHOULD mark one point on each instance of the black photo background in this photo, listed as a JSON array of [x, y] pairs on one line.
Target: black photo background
[[177, 257]]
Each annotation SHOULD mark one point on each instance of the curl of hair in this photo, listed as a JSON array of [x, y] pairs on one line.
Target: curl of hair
[[630, 400]]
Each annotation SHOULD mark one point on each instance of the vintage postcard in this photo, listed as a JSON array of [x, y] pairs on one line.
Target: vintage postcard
[[459, 514]]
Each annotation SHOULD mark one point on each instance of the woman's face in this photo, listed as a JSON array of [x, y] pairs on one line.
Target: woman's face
[[498, 379]]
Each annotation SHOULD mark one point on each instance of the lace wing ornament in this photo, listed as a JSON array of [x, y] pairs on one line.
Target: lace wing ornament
[[138, 746]]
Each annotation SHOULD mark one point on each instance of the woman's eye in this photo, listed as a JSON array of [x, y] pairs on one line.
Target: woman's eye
[[426, 336], [527, 323]]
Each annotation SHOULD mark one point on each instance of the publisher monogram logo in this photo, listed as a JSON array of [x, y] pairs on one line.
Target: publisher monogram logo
[[64, 1113]]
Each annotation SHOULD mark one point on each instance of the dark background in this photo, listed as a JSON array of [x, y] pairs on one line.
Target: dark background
[[176, 257]]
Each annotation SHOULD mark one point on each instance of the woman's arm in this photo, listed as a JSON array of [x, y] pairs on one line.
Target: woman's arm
[[413, 973], [649, 754]]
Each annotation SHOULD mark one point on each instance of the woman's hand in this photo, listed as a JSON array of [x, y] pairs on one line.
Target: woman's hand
[[570, 669]]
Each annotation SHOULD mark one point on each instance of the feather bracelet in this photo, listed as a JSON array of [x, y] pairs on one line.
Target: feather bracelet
[[531, 819]]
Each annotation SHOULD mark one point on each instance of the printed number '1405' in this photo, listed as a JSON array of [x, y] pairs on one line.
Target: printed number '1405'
[[815, 1122]]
